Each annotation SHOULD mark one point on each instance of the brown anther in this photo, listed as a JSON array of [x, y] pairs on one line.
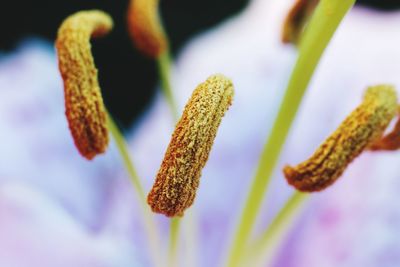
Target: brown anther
[[85, 111], [391, 141], [296, 20], [145, 27], [178, 178], [363, 126]]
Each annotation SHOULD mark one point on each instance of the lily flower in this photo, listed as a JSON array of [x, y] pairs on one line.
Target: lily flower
[[56, 209]]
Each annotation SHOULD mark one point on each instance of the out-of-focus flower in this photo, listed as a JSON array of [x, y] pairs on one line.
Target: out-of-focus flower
[[49, 193]]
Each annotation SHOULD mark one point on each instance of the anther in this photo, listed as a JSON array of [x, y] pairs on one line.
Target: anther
[[296, 20], [363, 126], [178, 178], [85, 110], [145, 27]]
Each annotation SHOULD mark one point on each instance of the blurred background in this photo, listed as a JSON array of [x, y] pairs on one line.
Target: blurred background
[[57, 200], [128, 79]]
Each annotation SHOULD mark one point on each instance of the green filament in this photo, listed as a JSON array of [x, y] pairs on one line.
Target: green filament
[[164, 68], [173, 241], [273, 235], [148, 222]]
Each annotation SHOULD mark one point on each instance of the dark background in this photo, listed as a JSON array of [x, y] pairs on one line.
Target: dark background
[[127, 78]]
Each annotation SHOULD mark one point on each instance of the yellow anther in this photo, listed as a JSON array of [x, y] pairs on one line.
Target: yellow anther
[[85, 111], [296, 19], [364, 125], [145, 27], [178, 178]]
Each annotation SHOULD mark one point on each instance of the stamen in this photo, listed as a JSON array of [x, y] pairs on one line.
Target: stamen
[[85, 110], [391, 141], [296, 19], [356, 133], [145, 27], [178, 178]]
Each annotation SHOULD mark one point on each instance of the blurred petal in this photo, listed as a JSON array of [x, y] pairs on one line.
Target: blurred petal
[[36, 231], [54, 204]]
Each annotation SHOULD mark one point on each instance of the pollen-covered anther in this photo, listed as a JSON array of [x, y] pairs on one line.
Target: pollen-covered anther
[[363, 126], [296, 20], [178, 177], [145, 27], [391, 141], [85, 111]]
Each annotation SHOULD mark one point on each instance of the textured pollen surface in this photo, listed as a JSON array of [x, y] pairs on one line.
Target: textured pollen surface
[[178, 178], [296, 19], [363, 126], [86, 114], [145, 27]]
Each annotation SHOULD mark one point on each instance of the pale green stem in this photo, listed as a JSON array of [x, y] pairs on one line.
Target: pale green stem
[[126, 159], [148, 221], [288, 210], [164, 68], [173, 241], [191, 239], [322, 26], [272, 237]]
